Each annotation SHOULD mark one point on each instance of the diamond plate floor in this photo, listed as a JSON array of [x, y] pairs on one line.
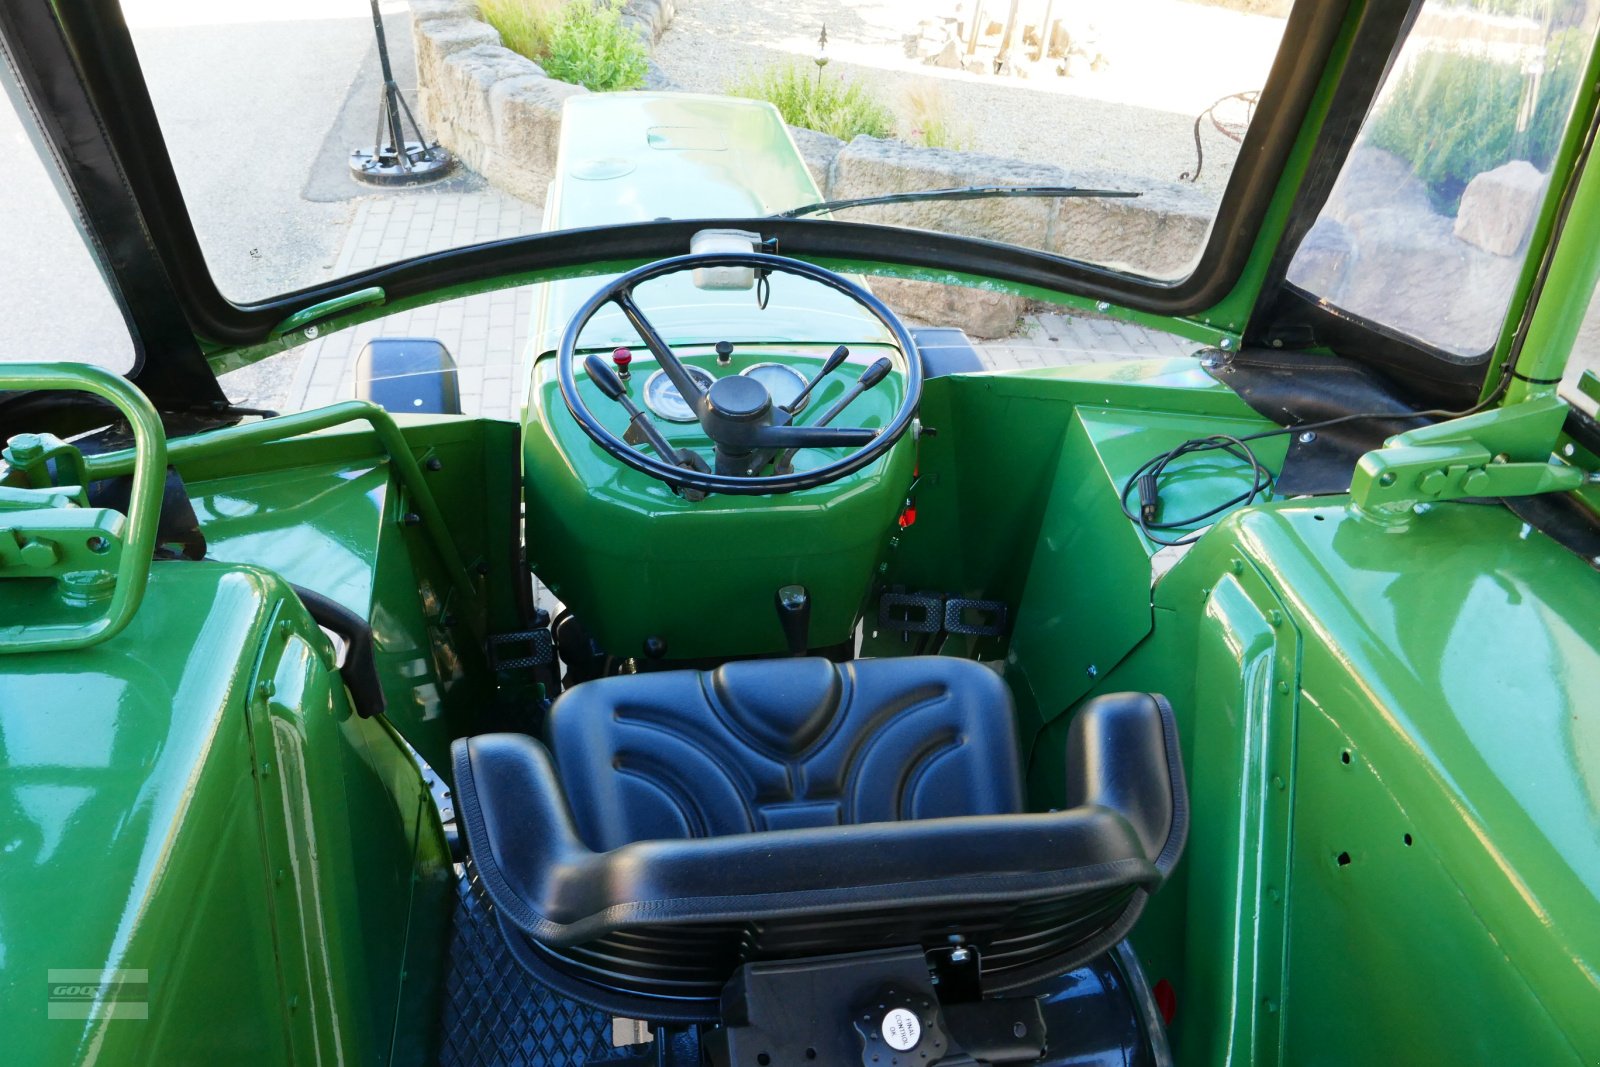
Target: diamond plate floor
[[498, 1015]]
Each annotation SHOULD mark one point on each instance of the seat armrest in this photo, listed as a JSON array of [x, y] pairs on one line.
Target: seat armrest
[[1114, 746]]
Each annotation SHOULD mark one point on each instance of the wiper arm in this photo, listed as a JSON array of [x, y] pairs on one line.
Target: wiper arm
[[968, 192]]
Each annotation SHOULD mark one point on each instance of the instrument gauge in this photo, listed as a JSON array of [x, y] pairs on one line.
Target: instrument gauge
[[663, 398], [783, 382]]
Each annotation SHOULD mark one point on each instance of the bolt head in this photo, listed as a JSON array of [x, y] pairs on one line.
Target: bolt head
[[25, 447], [39, 553]]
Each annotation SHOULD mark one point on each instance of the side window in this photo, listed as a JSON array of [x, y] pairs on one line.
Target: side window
[[57, 304], [1585, 357], [1427, 227]]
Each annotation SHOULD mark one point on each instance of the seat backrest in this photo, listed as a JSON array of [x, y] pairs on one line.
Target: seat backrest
[[699, 822], [786, 744]]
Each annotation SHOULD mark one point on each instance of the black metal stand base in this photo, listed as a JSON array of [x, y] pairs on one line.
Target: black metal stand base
[[419, 165], [393, 160]]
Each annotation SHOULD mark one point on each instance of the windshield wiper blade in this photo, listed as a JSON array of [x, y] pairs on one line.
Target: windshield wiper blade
[[968, 192]]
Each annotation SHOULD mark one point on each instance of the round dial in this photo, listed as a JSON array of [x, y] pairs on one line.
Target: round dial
[[663, 398], [783, 382]]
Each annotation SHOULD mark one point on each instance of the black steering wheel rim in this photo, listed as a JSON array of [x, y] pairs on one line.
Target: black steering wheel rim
[[740, 485]]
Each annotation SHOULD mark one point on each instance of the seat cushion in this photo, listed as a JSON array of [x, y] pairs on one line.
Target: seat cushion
[[652, 927], [782, 745]]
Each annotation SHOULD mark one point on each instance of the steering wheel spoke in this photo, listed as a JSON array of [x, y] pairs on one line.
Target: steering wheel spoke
[[668, 360], [814, 436]]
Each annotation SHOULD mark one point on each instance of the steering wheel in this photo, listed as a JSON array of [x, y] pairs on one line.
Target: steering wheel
[[748, 431]]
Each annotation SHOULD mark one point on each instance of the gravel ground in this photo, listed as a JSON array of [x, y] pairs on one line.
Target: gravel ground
[[1134, 116]]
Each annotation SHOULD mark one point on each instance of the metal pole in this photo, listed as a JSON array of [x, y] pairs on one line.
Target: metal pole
[[391, 94], [1005, 36], [397, 162], [1044, 30], [977, 26]]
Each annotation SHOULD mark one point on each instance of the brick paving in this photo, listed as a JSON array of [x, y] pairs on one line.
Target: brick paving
[[486, 333], [489, 333]]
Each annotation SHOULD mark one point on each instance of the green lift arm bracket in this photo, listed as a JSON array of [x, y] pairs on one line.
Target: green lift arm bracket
[[1502, 452]]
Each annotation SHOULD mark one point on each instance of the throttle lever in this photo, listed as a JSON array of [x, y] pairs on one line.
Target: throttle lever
[[835, 360]]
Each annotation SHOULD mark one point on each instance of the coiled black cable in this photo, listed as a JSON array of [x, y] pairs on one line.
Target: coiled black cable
[[1147, 479]]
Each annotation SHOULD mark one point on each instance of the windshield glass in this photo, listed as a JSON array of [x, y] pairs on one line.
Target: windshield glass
[[276, 118], [1427, 227]]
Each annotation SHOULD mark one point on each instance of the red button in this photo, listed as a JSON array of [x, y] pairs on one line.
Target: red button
[[622, 357]]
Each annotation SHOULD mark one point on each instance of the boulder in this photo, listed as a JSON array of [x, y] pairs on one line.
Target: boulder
[[948, 57], [435, 40], [527, 131], [1406, 269], [456, 106], [819, 150], [1499, 207], [982, 314], [868, 166], [1158, 234], [1373, 178], [1323, 259], [649, 18]]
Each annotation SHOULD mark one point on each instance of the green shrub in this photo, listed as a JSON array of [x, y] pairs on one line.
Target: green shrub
[[591, 47], [925, 118], [525, 25], [579, 41], [1455, 115], [827, 104]]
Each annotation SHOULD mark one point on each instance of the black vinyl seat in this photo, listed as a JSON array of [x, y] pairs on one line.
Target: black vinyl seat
[[693, 821]]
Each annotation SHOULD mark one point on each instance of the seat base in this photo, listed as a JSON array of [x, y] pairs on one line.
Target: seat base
[[498, 1011]]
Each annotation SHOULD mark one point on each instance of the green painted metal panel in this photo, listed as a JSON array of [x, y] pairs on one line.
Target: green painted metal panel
[[132, 835], [194, 800], [324, 512], [635, 560], [1087, 598], [1451, 662]]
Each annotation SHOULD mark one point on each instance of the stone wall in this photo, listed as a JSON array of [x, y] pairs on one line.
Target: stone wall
[[501, 115], [495, 109], [1159, 234]]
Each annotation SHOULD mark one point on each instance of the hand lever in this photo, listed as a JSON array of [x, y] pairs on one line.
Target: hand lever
[[605, 379], [835, 361], [869, 377], [794, 615]]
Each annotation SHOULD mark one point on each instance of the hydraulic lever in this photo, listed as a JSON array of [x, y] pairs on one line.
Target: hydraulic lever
[[835, 361], [870, 377]]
